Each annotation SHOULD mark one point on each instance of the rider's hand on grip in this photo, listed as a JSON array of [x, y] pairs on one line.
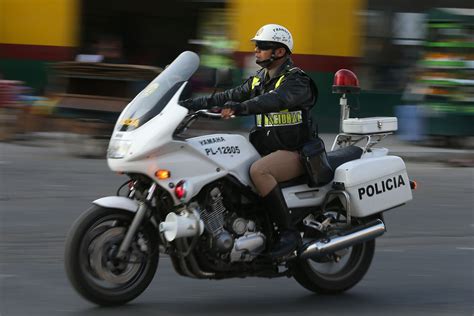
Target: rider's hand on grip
[[231, 108], [227, 113]]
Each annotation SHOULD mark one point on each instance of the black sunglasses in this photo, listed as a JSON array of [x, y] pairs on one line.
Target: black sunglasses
[[265, 45]]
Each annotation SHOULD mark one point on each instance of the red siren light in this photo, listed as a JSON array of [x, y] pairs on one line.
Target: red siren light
[[345, 81]]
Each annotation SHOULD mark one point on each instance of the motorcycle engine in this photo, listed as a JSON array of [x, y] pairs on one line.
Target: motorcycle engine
[[240, 241]]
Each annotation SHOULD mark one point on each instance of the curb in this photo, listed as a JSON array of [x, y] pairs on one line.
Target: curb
[[462, 159], [408, 152]]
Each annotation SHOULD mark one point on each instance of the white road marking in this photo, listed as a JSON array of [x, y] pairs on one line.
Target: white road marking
[[4, 276], [464, 248], [392, 250]]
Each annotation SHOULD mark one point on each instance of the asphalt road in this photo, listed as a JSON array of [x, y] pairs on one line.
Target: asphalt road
[[423, 265]]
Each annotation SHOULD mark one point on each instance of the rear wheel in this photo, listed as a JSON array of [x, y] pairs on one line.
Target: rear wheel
[[336, 272], [90, 257]]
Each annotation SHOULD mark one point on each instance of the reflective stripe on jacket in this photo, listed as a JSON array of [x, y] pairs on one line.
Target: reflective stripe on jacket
[[282, 118]]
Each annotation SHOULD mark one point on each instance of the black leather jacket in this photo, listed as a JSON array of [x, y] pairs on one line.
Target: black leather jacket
[[281, 106]]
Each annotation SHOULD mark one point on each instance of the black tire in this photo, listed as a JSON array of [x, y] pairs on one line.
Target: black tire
[[91, 269], [352, 270]]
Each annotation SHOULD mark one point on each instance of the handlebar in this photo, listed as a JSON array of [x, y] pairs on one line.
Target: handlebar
[[208, 113]]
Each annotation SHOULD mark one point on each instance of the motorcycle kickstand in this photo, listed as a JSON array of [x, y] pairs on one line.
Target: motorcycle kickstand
[[137, 220]]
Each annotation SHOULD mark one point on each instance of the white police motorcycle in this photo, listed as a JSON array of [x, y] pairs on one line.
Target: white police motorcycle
[[192, 199]]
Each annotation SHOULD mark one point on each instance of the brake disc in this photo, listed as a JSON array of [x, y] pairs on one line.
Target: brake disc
[[101, 258]]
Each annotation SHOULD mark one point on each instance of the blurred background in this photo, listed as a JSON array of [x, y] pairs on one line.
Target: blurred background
[[68, 67], [72, 65]]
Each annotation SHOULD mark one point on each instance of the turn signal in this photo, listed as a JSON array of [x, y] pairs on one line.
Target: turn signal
[[162, 174]]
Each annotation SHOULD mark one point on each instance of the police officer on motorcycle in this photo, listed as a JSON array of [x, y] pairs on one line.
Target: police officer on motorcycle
[[280, 96]]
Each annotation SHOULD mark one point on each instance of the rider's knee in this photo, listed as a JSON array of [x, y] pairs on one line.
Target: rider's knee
[[257, 170], [254, 171]]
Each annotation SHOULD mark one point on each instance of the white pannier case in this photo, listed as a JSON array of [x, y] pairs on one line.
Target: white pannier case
[[374, 185], [369, 125]]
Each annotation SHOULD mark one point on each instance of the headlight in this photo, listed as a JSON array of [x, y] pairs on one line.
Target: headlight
[[118, 148]]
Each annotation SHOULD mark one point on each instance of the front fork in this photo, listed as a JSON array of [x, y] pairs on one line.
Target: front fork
[[137, 220]]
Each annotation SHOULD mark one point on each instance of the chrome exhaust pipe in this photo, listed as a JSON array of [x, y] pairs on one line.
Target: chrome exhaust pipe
[[361, 234]]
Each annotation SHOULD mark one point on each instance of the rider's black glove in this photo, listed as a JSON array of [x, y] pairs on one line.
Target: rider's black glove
[[188, 103], [234, 106], [194, 104]]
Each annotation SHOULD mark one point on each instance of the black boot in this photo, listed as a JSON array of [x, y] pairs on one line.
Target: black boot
[[290, 238]]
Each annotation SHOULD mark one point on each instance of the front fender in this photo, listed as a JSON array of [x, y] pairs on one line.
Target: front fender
[[119, 202]]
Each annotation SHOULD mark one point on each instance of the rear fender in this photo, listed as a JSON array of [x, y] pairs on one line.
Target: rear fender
[[118, 202]]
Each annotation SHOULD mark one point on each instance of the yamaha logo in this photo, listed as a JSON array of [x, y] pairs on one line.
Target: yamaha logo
[[381, 187], [212, 140]]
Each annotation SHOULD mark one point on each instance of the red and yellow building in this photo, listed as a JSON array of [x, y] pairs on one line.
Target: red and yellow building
[[327, 35], [34, 33]]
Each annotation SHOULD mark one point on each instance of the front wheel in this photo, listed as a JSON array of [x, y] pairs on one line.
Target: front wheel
[[337, 272], [91, 264]]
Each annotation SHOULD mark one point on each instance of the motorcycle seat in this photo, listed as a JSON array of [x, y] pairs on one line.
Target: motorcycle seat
[[343, 155]]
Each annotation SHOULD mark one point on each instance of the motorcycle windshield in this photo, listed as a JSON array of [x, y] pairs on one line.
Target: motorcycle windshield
[[154, 98]]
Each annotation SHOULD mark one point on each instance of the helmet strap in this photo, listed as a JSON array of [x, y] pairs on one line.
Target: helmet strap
[[267, 62]]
